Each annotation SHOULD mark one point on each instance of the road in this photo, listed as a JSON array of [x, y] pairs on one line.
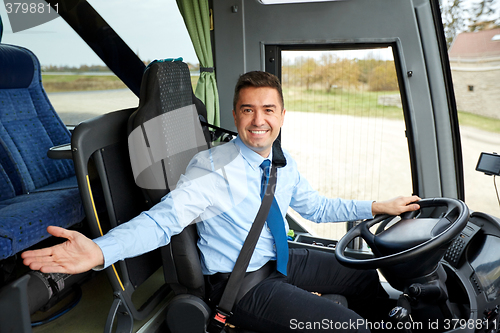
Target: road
[[367, 159], [74, 107]]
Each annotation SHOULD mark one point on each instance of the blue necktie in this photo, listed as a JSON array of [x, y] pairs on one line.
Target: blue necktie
[[275, 222]]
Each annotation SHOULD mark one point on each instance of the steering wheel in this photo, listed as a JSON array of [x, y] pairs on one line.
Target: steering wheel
[[409, 238]]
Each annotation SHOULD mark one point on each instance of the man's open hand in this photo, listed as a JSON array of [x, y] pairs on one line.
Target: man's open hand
[[77, 255]]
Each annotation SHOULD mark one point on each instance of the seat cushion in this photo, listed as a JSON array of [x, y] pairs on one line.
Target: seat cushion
[[64, 184], [25, 218]]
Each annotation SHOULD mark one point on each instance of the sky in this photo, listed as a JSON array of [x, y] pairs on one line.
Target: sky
[[145, 29]]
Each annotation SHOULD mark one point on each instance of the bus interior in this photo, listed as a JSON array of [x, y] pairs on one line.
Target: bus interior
[[372, 113]]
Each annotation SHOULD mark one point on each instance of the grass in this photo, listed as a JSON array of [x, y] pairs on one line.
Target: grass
[[354, 103], [75, 82], [60, 83], [365, 104], [480, 122]]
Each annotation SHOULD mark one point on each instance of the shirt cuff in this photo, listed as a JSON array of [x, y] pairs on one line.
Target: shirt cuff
[[111, 250], [365, 209]]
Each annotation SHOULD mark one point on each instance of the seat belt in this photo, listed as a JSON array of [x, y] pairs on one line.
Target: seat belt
[[226, 303]]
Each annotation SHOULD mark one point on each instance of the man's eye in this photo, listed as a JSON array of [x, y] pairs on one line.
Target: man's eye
[[247, 110], [269, 110]]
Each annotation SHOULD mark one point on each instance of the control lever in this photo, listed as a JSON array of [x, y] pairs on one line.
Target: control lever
[[433, 292], [426, 292]]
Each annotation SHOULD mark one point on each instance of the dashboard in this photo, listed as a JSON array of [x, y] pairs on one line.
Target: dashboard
[[473, 265]]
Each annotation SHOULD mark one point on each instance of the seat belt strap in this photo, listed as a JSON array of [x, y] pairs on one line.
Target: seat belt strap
[[223, 310]]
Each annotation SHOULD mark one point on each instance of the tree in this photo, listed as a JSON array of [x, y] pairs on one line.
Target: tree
[[308, 71], [349, 73], [367, 65], [454, 20], [329, 73], [485, 16], [334, 71], [468, 15], [383, 77]]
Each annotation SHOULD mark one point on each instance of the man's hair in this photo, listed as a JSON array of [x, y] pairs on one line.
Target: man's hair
[[257, 79]]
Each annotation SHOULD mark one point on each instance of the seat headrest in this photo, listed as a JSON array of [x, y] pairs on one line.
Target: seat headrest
[[165, 86], [16, 66], [165, 131]]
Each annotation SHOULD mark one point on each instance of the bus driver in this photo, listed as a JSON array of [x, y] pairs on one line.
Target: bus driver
[[284, 297]]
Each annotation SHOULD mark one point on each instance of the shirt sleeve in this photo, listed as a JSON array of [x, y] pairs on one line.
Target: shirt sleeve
[[155, 227], [315, 207]]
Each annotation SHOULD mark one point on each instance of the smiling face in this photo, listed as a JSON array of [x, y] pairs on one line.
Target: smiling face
[[258, 116]]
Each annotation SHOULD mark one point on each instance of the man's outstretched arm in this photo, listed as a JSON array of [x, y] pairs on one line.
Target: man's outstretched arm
[[396, 206], [76, 255]]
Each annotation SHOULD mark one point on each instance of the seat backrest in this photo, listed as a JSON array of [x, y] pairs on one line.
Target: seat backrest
[[165, 133], [10, 171], [6, 188], [29, 126], [110, 197]]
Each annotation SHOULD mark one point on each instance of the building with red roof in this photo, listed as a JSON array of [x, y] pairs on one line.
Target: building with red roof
[[475, 66]]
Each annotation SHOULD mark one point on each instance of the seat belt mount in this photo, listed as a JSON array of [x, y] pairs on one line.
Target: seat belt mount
[[218, 321]]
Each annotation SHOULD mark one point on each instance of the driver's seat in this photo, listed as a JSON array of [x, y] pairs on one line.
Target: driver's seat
[[167, 95], [166, 89]]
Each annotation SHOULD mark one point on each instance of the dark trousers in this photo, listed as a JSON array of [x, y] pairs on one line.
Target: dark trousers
[[285, 303]]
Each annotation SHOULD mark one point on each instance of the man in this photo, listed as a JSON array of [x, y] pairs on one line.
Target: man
[[221, 189]]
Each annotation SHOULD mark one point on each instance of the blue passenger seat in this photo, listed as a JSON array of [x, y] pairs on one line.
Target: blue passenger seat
[[35, 191]]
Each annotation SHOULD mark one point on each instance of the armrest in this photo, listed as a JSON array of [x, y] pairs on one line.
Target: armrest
[[62, 152]]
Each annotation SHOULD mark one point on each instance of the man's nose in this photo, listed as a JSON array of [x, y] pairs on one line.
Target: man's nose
[[258, 118]]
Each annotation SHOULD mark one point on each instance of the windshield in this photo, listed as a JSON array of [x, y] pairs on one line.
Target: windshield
[[345, 125]]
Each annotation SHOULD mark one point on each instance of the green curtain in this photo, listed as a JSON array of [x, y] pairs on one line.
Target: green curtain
[[197, 19]]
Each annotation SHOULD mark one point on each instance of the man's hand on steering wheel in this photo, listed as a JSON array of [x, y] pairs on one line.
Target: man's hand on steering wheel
[[396, 206], [411, 240]]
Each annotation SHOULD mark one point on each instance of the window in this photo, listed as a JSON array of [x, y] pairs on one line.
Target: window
[[78, 83], [344, 126]]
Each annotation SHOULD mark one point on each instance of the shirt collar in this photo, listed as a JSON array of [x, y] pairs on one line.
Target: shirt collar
[[252, 158]]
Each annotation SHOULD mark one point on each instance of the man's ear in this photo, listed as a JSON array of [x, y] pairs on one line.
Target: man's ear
[[234, 117]]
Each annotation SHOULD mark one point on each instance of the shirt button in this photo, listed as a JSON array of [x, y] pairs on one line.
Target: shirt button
[[268, 229]]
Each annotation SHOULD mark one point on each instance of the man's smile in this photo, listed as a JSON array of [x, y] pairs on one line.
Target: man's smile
[[258, 132]]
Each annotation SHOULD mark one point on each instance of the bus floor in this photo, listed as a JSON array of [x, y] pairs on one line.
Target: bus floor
[[91, 312]]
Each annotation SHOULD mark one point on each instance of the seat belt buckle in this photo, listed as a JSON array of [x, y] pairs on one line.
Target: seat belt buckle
[[218, 321]]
